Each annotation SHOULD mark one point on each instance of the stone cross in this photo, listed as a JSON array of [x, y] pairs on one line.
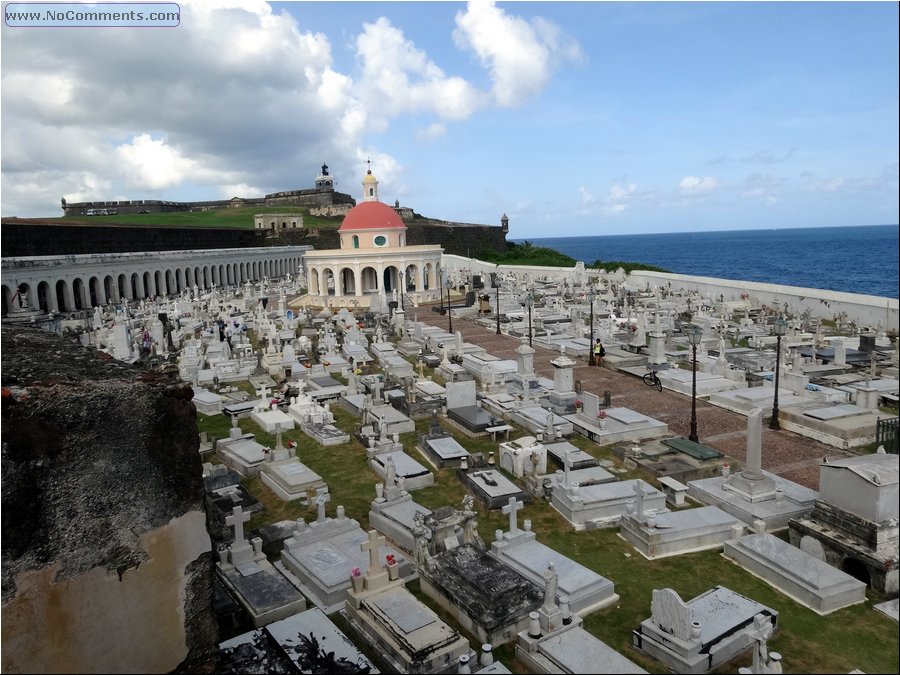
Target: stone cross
[[639, 500], [762, 631], [373, 546], [513, 508], [321, 500], [263, 391], [237, 520]]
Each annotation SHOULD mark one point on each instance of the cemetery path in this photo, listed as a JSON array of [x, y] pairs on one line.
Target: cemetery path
[[784, 453]]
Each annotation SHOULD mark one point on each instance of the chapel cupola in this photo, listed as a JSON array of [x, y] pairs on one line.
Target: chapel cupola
[[370, 185]]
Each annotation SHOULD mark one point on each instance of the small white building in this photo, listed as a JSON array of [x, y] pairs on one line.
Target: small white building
[[278, 221], [373, 265]]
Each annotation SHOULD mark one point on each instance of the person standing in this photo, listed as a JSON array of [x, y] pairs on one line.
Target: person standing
[[599, 353]]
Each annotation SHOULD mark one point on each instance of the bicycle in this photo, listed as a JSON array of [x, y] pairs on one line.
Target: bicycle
[[651, 379]]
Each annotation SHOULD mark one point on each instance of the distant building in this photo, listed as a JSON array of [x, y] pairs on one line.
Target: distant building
[[278, 221]]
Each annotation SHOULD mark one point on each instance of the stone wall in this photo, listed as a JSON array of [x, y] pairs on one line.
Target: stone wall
[[21, 238], [107, 565], [457, 238], [305, 197]]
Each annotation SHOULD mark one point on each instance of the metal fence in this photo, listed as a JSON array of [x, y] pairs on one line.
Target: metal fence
[[886, 434]]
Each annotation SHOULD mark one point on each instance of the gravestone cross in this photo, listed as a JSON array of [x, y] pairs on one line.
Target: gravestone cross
[[322, 498], [237, 520], [373, 546], [513, 508], [639, 500], [762, 631]]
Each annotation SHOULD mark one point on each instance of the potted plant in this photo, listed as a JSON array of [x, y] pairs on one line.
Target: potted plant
[[601, 419], [356, 579], [393, 567]]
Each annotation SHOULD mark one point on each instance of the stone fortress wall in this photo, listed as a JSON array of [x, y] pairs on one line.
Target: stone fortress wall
[[311, 197]]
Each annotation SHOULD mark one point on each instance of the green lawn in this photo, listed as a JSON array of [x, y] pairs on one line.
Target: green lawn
[[856, 637], [241, 218]]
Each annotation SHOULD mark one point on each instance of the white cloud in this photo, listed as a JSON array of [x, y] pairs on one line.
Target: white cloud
[[432, 131], [763, 186], [238, 95], [397, 77], [694, 186], [619, 197], [519, 55], [587, 198], [152, 163]]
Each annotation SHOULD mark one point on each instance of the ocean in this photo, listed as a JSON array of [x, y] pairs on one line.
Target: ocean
[[862, 259]]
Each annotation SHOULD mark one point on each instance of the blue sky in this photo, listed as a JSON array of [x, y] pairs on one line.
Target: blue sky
[[574, 118]]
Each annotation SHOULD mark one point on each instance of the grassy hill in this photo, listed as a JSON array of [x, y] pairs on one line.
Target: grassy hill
[[241, 218]]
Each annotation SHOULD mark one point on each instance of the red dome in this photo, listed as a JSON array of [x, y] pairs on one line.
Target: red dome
[[371, 216]]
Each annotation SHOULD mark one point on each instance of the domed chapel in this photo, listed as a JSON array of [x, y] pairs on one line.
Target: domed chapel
[[374, 264]]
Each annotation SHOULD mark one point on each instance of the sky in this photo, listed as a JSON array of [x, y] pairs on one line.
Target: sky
[[572, 118]]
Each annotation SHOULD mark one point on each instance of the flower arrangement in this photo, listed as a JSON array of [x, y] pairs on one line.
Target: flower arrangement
[[577, 404], [391, 560], [355, 572], [601, 415]]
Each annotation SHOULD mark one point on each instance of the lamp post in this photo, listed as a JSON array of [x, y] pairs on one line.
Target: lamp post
[[780, 328], [449, 315], [591, 295], [529, 302], [497, 286], [442, 291], [694, 334]]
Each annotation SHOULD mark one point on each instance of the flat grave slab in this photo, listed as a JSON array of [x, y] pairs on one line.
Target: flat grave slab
[[443, 452], [692, 448], [488, 598], [836, 412], [321, 555], [396, 519], [675, 533], [415, 475], [797, 501], [263, 591], [430, 388], [314, 644], [891, 608], [799, 575], [584, 590], [472, 418], [325, 433], [290, 479], [557, 451], [492, 488], [577, 651], [271, 420]]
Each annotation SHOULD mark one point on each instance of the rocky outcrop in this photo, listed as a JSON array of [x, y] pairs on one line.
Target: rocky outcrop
[[107, 566]]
